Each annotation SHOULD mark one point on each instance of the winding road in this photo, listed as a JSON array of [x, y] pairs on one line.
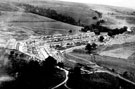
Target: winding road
[[66, 79]]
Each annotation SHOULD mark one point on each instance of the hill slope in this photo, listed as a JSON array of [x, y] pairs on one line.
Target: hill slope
[[83, 14], [115, 17], [20, 24], [80, 12]]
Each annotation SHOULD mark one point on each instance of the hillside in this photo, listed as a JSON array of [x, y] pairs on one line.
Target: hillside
[[115, 16], [20, 24], [84, 13], [29, 36], [20, 71], [80, 12], [43, 25]]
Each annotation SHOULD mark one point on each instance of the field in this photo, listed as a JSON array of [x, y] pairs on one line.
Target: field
[[125, 50], [118, 64], [118, 56], [20, 25], [14, 17], [43, 25], [114, 16], [129, 19], [80, 12], [118, 53]]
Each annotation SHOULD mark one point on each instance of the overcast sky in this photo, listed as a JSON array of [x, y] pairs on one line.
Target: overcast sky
[[122, 3]]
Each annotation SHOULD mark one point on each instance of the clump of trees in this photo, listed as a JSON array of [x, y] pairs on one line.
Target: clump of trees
[[31, 74], [98, 28], [90, 47], [93, 27], [129, 75], [117, 31]]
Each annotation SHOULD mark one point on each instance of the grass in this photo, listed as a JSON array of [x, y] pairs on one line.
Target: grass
[[93, 81], [80, 12], [119, 53], [7, 7], [119, 64], [129, 19], [22, 25], [125, 50], [43, 25]]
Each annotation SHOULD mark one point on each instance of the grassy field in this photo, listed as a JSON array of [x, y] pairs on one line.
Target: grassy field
[[39, 23], [119, 53], [16, 23], [12, 15], [7, 7], [80, 12], [121, 60], [44, 26], [21, 25], [125, 50], [121, 57], [120, 65], [129, 19]]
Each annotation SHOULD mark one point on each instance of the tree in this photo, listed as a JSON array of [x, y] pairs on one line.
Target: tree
[[77, 70], [129, 75], [94, 46], [70, 31], [110, 33], [101, 39], [122, 30], [97, 32], [50, 62], [100, 22], [90, 47], [84, 30], [61, 64], [95, 18]]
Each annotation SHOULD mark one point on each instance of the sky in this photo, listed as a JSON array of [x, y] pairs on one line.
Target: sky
[[121, 3]]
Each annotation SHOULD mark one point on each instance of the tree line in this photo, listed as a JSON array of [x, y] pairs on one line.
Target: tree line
[[47, 12], [98, 28], [51, 13]]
